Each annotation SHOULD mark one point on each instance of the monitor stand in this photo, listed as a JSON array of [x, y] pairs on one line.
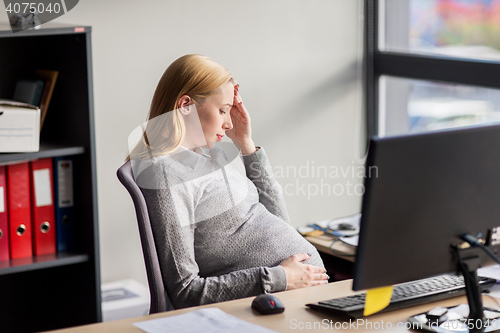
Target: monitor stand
[[454, 320]]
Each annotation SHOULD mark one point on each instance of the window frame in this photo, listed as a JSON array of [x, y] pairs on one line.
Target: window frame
[[481, 73]]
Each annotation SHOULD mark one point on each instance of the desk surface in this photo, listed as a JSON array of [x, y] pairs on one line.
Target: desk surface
[[296, 317], [324, 244]]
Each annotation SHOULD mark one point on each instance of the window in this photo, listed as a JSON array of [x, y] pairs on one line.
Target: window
[[432, 64]]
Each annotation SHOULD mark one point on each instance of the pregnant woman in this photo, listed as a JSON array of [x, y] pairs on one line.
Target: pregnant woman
[[219, 234]]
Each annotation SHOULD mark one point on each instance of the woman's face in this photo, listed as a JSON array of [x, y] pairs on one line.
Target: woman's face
[[214, 113]]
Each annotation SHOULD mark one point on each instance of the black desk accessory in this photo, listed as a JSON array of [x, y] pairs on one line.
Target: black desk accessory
[[267, 304]]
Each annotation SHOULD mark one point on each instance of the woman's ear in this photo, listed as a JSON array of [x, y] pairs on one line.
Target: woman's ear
[[184, 103]]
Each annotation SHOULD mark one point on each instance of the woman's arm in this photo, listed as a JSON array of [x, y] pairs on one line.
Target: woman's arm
[[257, 166], [259, 171]]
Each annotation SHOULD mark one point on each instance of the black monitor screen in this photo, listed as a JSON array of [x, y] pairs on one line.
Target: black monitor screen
[[422, 192]]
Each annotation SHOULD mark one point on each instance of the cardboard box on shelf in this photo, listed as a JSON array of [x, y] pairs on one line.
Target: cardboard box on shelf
[[19, 127]]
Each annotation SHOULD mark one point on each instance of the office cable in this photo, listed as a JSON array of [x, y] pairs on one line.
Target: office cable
[[473, 241]]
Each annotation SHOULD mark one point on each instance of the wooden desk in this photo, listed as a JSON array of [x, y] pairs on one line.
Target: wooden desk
[[324, 243], [296, 316]]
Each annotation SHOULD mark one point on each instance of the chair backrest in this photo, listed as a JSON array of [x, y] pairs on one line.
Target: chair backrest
[[159, 298]]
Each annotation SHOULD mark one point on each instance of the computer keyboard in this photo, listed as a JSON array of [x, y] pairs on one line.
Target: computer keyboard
[[404, 295]]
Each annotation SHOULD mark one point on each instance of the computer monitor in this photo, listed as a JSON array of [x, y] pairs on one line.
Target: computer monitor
[[423, 192]]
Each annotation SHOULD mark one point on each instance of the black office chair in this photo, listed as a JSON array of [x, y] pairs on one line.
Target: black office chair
[[159, 298]]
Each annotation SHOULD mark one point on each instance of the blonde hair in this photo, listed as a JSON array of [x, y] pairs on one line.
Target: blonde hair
[[194, 75]]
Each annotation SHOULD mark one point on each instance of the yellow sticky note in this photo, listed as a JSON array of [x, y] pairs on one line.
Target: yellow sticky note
[[377, 299]]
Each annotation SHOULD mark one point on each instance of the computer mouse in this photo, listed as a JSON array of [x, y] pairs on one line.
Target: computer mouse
[[267, 304]]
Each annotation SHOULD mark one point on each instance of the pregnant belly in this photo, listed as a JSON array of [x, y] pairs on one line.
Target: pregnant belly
[[264, 240]]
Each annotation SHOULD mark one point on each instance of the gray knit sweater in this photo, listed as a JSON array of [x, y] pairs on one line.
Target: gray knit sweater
[[219, 235]]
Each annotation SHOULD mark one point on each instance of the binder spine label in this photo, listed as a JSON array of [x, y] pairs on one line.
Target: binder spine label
[[65, 183], [43, 195]]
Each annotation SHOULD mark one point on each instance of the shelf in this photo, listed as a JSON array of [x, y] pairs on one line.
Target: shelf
[[49, 28], [46, 150], [63, 289], [40, 262]]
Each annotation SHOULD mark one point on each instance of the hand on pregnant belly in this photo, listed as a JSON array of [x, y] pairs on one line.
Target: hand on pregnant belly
[[300, 275]]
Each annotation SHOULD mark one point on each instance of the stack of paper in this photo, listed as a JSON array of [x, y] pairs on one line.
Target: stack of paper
[[211, 320]]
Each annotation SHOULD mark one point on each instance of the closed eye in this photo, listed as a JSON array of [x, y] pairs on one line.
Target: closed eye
[[222, 112]]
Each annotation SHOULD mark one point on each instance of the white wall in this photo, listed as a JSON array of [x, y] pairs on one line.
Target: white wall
[[296, 62]]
